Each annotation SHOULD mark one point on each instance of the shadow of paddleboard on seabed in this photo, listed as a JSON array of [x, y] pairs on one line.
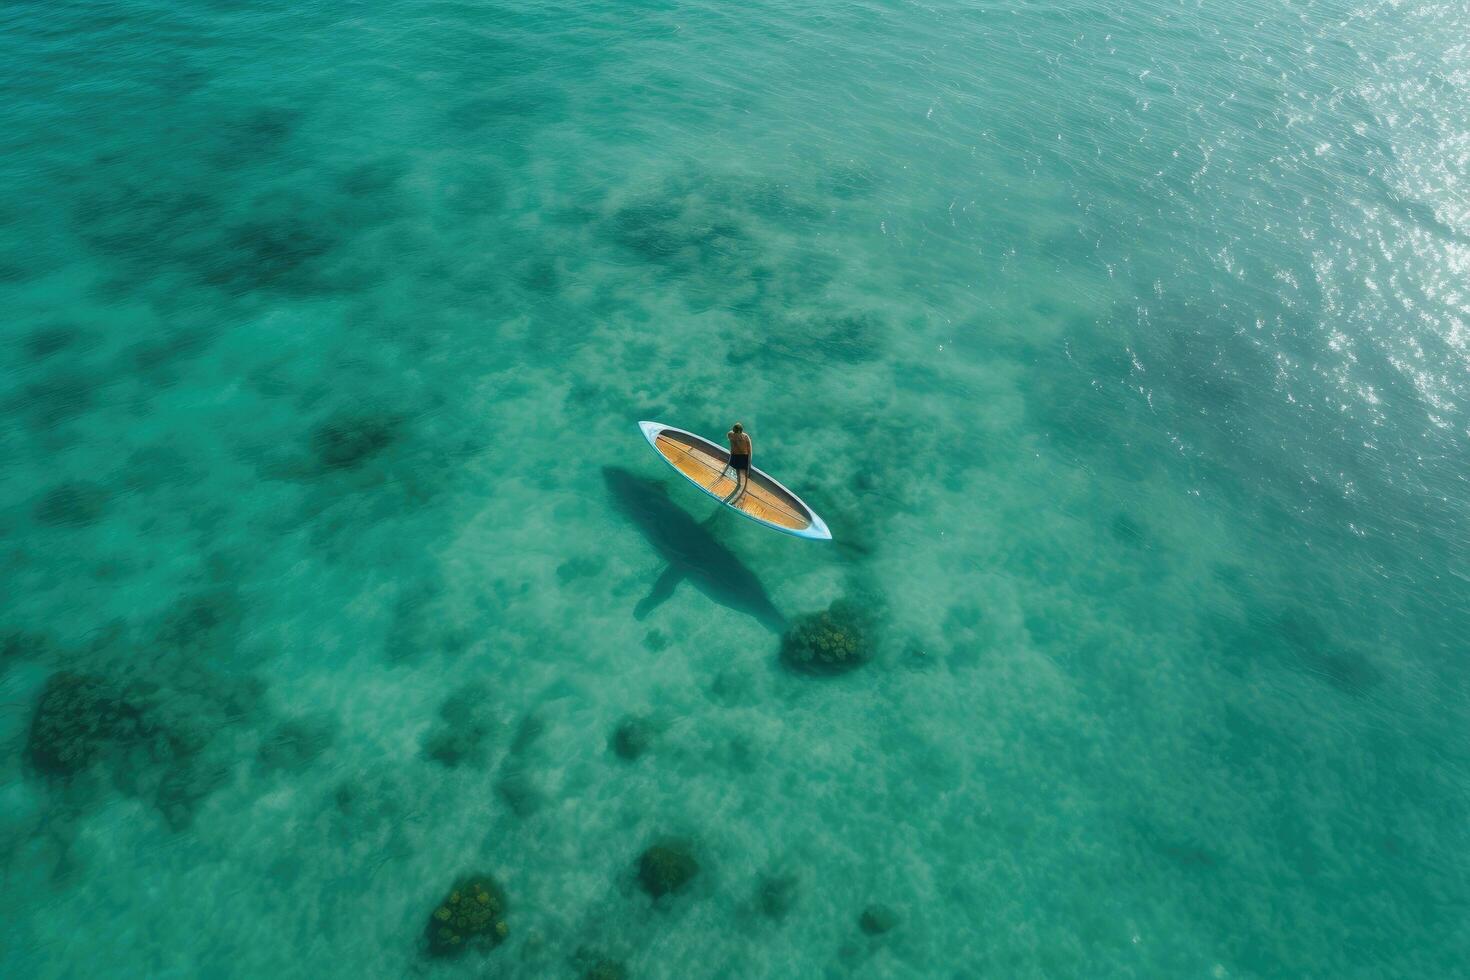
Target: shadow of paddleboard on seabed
[[690, 549]]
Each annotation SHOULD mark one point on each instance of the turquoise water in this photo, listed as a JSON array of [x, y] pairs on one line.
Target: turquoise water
[[1123, 346]]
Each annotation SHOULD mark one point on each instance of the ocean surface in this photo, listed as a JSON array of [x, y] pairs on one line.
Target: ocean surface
[[1125, 347]]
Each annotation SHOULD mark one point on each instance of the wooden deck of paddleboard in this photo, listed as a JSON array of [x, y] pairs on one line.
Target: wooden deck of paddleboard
[[705, 467]]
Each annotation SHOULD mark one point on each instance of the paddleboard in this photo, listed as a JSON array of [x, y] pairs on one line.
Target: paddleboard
[[706, 465]]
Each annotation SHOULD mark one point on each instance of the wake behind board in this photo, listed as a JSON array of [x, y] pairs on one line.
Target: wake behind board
[[706, 465]]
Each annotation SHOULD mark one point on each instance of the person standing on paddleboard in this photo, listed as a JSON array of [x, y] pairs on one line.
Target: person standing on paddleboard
[[740, 451]]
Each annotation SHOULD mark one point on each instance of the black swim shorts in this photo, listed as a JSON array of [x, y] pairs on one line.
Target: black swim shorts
[[741, 461]]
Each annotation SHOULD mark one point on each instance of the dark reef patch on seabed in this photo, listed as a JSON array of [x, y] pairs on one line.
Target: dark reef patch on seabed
[[423, 624], [18, 645], [518, 791], [371, 816], [156, 466], [144, 711], [776, 895], [156, 358], [281, 252], [45, 342], [969, 632], [593, 965], [148, 740], [370, 468], [703, 229], [877, 919], [1130, 531], [1176, 843], [657, 230], [540, 276], [75, 503], [76, 717], [203, 623], [511, 107], [515, 783], [294, 744], [58, 397], [1312, 648], [1290, 636], [667, 867], [347, 440], [467, 720], [825, 338], [632, 736], [284, 240], [373, 179], [580, 566], [252, 136], [130, 218]]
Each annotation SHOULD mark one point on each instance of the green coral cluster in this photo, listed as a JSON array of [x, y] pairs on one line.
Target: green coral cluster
[[835, 640], [471, 915]]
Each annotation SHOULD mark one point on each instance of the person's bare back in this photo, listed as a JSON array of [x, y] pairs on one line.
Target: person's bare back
[[741, 450]]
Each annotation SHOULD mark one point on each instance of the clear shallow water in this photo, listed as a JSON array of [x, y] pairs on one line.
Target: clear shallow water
[[1123, 347]]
